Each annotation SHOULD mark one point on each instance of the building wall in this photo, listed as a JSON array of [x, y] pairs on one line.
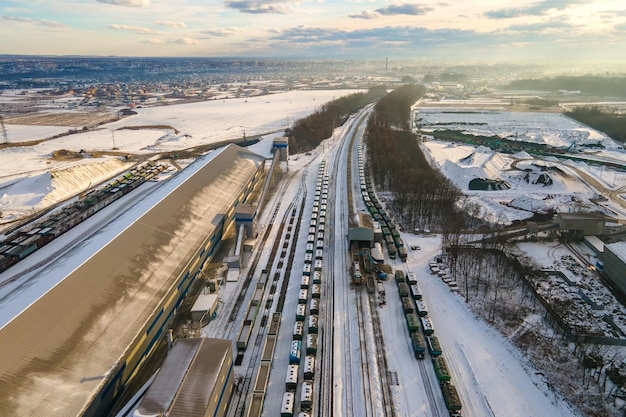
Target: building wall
[[614, 268]]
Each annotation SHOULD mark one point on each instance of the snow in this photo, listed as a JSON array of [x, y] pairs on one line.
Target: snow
[[179, 127], [492, 376]]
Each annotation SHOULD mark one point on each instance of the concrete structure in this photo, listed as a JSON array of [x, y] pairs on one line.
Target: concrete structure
[[281, 145], [578, 225], [363, 233], [614, 259], [204, 308], [73, 350], [195, 380]]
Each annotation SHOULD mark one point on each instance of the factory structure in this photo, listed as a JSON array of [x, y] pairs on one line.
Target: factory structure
[[74, 350]]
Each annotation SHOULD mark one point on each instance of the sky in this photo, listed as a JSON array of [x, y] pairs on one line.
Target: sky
[[458, 31]]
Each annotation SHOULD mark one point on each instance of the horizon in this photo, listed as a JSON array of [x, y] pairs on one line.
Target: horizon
[[547, 31]]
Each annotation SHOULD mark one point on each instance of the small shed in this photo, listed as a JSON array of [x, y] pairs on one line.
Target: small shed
[[204, 309]]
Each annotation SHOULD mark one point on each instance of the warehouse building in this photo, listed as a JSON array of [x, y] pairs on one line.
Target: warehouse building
[[614, 259], [195, 380], [578, 225], [75, 348]]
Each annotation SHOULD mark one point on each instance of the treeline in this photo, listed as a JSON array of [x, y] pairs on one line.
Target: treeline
[[608, 121], [422, 196], [588, 85], [309, 132]]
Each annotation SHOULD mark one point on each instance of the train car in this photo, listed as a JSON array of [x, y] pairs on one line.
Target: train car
[[318, 265], [303, 296], [316, 290], [244, 336], [274, 324], [310, 247], [304, 282], [257, 296], [319, 253], [317, 277], [306, 269], [251, 315], [308, 258], [412, 322], [428, 326], [291, 381], [393, 251], [314, 306], [433, 345], [411, 278], [306, 396], [421, 308], [268, 348], [402, 253], [417, 341], [313, 323], [286, 409], [403, 289], [311, 344], [294, 352], [298, 330], [311, 237], [407, 305], [262, 376], [319, 244], [451, 397], [300, 312], [399, 275], [263, 277], [388, 239], [441, 369], [416, 293], [309, 367]]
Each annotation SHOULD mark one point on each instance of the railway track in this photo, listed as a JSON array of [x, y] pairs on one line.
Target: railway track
[[366, 371], [294, 208]]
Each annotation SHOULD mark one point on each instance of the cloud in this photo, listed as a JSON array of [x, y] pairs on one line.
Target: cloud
[[221, 32], [394, 9], [365, 14], [130, 3], [38, 22], [260, 7], [137, 29], [536, 9], [177, 41], [404, 9], [170, 24]]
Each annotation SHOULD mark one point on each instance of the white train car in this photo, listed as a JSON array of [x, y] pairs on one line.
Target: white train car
[[309, 367], [306, 396], [298, 330], [291, 381], [286, 410]]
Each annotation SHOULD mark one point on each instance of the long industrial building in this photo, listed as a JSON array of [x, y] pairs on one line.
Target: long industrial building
[[72, 351]]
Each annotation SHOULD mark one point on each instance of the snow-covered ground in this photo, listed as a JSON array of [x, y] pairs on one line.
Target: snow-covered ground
[[530, 183], [26, 183], [493, 377]]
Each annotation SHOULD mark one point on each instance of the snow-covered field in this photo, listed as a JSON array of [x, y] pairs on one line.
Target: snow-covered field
[[532, 184], [493, 377], [26, 183]]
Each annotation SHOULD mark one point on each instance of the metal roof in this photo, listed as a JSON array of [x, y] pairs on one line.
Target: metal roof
[[187, 378], [59, 353]]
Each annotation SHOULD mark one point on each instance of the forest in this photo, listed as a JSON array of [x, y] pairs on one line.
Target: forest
[[422, 196], [587, 85], [607, 121], [307, 133]]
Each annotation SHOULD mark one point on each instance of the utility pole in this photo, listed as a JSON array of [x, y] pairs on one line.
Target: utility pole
[[113, 137]]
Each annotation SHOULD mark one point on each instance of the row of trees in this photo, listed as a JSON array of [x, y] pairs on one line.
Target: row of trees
[[309, 132], [605, 120], [589, 85], [421, 195], [590, 376]]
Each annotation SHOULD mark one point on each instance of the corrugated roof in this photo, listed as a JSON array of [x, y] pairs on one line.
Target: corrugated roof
[[58, 354], [187, 378]]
